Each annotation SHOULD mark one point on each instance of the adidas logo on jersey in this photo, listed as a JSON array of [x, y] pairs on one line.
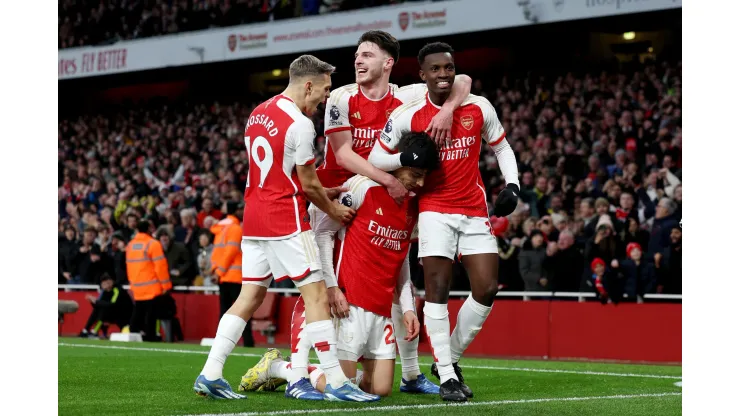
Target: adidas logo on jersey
[[357, 115], [379, 211]]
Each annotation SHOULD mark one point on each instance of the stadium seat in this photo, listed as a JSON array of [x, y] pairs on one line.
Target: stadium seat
[[264, 317]]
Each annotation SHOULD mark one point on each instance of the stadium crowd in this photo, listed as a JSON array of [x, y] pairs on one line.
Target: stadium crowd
[[599, 157], [96, 22]]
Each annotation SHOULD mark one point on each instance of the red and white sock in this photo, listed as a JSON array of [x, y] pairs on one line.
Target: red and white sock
[[324, 341], [437, 326], [300, 344], [470, 320], [230, 329], [407, 350]]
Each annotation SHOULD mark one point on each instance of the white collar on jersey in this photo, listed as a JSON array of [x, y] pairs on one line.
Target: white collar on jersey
[[430, 102], [379, 99]]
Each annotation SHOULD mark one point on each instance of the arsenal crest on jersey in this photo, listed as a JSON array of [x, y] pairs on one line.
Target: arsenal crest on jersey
[[467, 122], [403, 20], [232, 42]]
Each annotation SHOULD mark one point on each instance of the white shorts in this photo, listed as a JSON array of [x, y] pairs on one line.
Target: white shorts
[[293, 258], [367, 335], [449, 235]]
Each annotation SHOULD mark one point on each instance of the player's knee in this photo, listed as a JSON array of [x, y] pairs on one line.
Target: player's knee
[[487, 294], [382, 390], [437, 290], [315, 296]]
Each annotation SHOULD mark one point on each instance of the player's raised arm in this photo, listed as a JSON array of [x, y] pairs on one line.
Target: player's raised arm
[[494, 134], [440, 127], [339, 133]]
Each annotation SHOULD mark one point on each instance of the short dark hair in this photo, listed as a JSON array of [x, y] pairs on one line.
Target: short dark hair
[[422, 143], [131, 214], [142, 226], [106, 276], [232, 207], [384, 40], [432, 48]]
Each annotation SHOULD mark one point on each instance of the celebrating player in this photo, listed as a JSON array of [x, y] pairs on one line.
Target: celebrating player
[[381, 230], [453, 219], [354, 118], [277, 240]]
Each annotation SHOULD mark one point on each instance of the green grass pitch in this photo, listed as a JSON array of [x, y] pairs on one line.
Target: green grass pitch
[[101, 377]]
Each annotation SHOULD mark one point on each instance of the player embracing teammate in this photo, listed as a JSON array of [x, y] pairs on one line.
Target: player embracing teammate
[[453, 213]]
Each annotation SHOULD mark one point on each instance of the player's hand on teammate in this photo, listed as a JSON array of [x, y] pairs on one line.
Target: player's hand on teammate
[[341, 214], [333, 193], [338, 305], [440, 127], [397, 191], [411, 322], [506, 201]]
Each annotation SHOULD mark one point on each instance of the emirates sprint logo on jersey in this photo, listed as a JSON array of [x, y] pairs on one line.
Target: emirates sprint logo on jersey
[[387, 131], [334, 116], [386, 236]]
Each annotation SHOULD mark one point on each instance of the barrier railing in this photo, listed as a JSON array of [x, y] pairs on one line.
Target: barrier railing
[[420, 293]]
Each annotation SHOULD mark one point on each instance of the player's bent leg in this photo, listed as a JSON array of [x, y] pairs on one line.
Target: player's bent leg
[[412, 379], [377, 376], [257, 376]]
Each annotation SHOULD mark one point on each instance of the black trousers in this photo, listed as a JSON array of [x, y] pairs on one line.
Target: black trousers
[[228, 293], [144, 318], [108, 315]]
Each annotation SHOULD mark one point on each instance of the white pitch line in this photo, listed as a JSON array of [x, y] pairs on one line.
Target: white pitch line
[[438, 405], [476, 367]]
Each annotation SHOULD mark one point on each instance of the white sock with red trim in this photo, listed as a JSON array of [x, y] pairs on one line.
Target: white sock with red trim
[[324, 341], [299, 342], [407, 350], [437, 325], [230, 329], [470, 320]]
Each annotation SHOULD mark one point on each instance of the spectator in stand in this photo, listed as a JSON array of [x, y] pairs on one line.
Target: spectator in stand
[[117, 253], [208, 211], [597, 280], [664, 222], [602, 208], [531, 260], [188, 232], [205, 240], [67, 255], [178, 257], [604, 245], [669, 266], [89, 259], [130, 229], [639, 274], [634, 234], [563, 264]]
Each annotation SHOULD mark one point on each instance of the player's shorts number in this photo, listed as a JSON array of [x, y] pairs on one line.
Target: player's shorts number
[[265, 164], [389, 337]]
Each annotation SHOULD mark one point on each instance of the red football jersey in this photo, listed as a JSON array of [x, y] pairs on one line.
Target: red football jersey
[[349, 109], [374, 245], [278, 137], [456, 187]]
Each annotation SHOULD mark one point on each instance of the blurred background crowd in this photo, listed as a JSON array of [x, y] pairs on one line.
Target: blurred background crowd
[[96, 22]]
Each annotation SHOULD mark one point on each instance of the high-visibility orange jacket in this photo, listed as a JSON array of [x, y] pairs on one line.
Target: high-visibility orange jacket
[[226, 258], [146, 267]]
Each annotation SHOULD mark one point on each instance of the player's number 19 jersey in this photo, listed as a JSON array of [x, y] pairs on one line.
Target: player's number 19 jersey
[[277, 138]]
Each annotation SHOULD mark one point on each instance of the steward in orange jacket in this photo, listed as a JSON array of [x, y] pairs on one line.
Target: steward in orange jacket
[[226, 260], [149, 276]]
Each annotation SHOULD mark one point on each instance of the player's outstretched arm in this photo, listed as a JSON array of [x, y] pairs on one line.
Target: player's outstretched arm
[[316, 194], [341, 142]]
